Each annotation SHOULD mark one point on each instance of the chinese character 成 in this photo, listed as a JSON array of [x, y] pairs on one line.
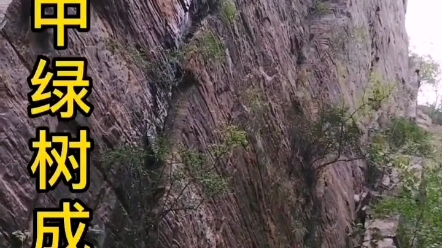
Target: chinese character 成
[[54, 227], [58, 156], [60, 91], [60, 20]]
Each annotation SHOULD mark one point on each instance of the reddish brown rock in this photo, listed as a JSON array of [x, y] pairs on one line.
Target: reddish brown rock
[[286, 51]]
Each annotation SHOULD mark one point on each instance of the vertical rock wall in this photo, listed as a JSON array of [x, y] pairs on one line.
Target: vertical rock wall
[[281, 51]]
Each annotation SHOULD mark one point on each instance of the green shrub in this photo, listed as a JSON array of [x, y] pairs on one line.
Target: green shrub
[[208, 44], [429, 69], [138, 188], [400, 140], [228, 11], [418, 202], [333, 133], [203, 171], [421, 215], [404, 133], [202, 166]]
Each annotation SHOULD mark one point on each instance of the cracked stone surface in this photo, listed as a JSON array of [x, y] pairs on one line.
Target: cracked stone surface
[[283, 49]]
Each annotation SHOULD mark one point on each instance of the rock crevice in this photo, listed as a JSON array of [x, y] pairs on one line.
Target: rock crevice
[[272, 53]]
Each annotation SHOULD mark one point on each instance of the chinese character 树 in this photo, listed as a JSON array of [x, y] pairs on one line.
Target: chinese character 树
[[60, 91], [64, 226], [59, 157], [60, 19]]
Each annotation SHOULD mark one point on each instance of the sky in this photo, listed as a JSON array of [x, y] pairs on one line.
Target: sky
[[422, 19]]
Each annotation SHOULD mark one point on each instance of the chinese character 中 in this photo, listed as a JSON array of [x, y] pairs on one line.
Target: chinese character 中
[[54, 227], [49, 170], [61, 19], [61, 91]]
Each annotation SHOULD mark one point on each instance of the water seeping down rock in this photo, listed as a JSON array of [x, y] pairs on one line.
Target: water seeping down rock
[[280, 55]]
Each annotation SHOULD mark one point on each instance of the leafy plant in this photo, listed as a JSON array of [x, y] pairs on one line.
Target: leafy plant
[[418, 203], [404, 134], [148, 192], [421, 221], [135, 185], [335, 131], [209, 45], [163, 68], [380, 91], [429, 69], [228, 11], [203, 166], [394, 145], [200, 169]]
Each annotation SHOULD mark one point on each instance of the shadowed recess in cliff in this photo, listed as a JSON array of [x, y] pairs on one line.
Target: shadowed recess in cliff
[[178, 104]]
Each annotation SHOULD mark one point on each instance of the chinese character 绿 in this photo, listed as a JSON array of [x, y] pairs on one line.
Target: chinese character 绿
[[60, 91]]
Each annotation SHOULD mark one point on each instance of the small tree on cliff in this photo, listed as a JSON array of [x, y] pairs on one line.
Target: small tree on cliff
[[429, 72], [149, 185], [334, 134], [429, 69]]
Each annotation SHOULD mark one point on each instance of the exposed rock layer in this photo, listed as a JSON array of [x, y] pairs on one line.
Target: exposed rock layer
[[284, 49]]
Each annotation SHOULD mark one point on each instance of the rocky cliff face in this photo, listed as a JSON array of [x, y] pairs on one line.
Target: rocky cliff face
[[270, 53]]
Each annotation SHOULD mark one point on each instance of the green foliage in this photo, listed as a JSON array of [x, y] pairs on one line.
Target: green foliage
[[406, 135], [137, 55], [254, 99], [336, 128], [197, 165], [380, 90], [429, 69], [163, 68], [401, 139], [138, 186], [134, 155], [418, 203], [234, 137], [209, 45], [322, 8], [138, 178], [378, 150], [421, 216], [377, 94], [162, 148], [127, 51], [228, 11], [202, 165], [334, 133]]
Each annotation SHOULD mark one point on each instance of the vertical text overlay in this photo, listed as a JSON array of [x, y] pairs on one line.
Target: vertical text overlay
[[59, 88]]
